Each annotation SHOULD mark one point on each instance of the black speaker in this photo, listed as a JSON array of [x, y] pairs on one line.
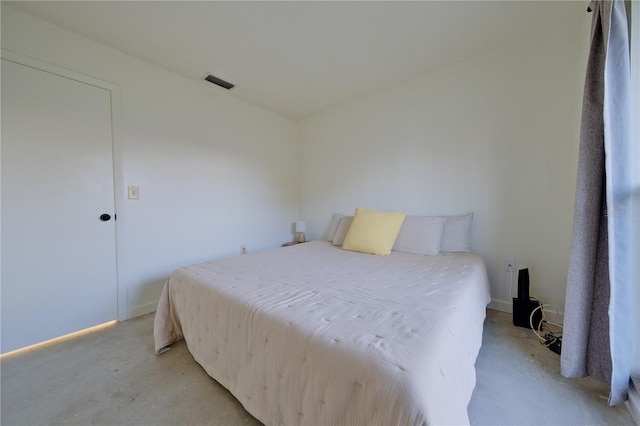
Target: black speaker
[[522, 313], [523, 284], [523, 306]]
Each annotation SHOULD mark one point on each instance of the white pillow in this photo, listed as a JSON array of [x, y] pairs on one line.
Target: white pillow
[[341, 232], [456, 234], [333, 225], [420, 235]]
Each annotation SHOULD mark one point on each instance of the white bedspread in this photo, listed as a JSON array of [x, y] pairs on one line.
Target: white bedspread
[[312, 334]]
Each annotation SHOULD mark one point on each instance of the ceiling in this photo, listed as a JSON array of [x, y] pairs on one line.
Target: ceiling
[[298, 58]]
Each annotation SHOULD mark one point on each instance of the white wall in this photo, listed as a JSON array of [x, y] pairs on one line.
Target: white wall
[[496, 134], [214, 172]]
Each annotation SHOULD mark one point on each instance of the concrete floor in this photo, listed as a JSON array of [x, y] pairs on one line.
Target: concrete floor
[[519, 383], [113, 377]]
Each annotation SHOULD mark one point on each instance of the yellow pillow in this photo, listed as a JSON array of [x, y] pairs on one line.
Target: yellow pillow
[[373, 231]]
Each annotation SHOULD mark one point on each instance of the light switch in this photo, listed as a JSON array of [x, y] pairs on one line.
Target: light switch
[[134, 192]]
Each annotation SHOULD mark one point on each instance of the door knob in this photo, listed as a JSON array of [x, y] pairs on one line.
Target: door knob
[[105, 217]]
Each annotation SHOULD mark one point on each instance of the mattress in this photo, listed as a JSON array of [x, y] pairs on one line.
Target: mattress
[[312, 334]]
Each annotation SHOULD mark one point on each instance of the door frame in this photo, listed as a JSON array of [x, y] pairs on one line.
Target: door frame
[[116, 152]]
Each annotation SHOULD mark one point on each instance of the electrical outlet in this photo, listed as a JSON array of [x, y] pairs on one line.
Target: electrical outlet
[[243, 249], [510, 265], [134, 192]]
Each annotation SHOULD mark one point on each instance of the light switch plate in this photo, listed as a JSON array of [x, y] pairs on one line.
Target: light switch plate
[[134, 192]]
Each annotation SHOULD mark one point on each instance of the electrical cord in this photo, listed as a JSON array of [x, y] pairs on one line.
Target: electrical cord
[[510, 281], [549, 338]]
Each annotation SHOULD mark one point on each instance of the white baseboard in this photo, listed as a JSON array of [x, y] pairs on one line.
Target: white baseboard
[[143, 309], [504, 306], [633, 403], [500, 305]]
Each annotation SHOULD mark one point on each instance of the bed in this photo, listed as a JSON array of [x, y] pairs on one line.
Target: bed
[[313, 334]]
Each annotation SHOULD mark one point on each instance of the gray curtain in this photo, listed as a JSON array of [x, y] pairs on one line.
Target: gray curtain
[[598, 300]]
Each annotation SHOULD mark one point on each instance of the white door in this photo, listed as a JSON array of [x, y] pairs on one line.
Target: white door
[[58, 256]]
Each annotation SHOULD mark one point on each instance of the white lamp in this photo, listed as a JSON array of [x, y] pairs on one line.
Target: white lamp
[[301, 227]]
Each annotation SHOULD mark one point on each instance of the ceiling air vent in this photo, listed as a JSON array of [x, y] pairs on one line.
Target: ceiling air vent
[[215, 80]]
